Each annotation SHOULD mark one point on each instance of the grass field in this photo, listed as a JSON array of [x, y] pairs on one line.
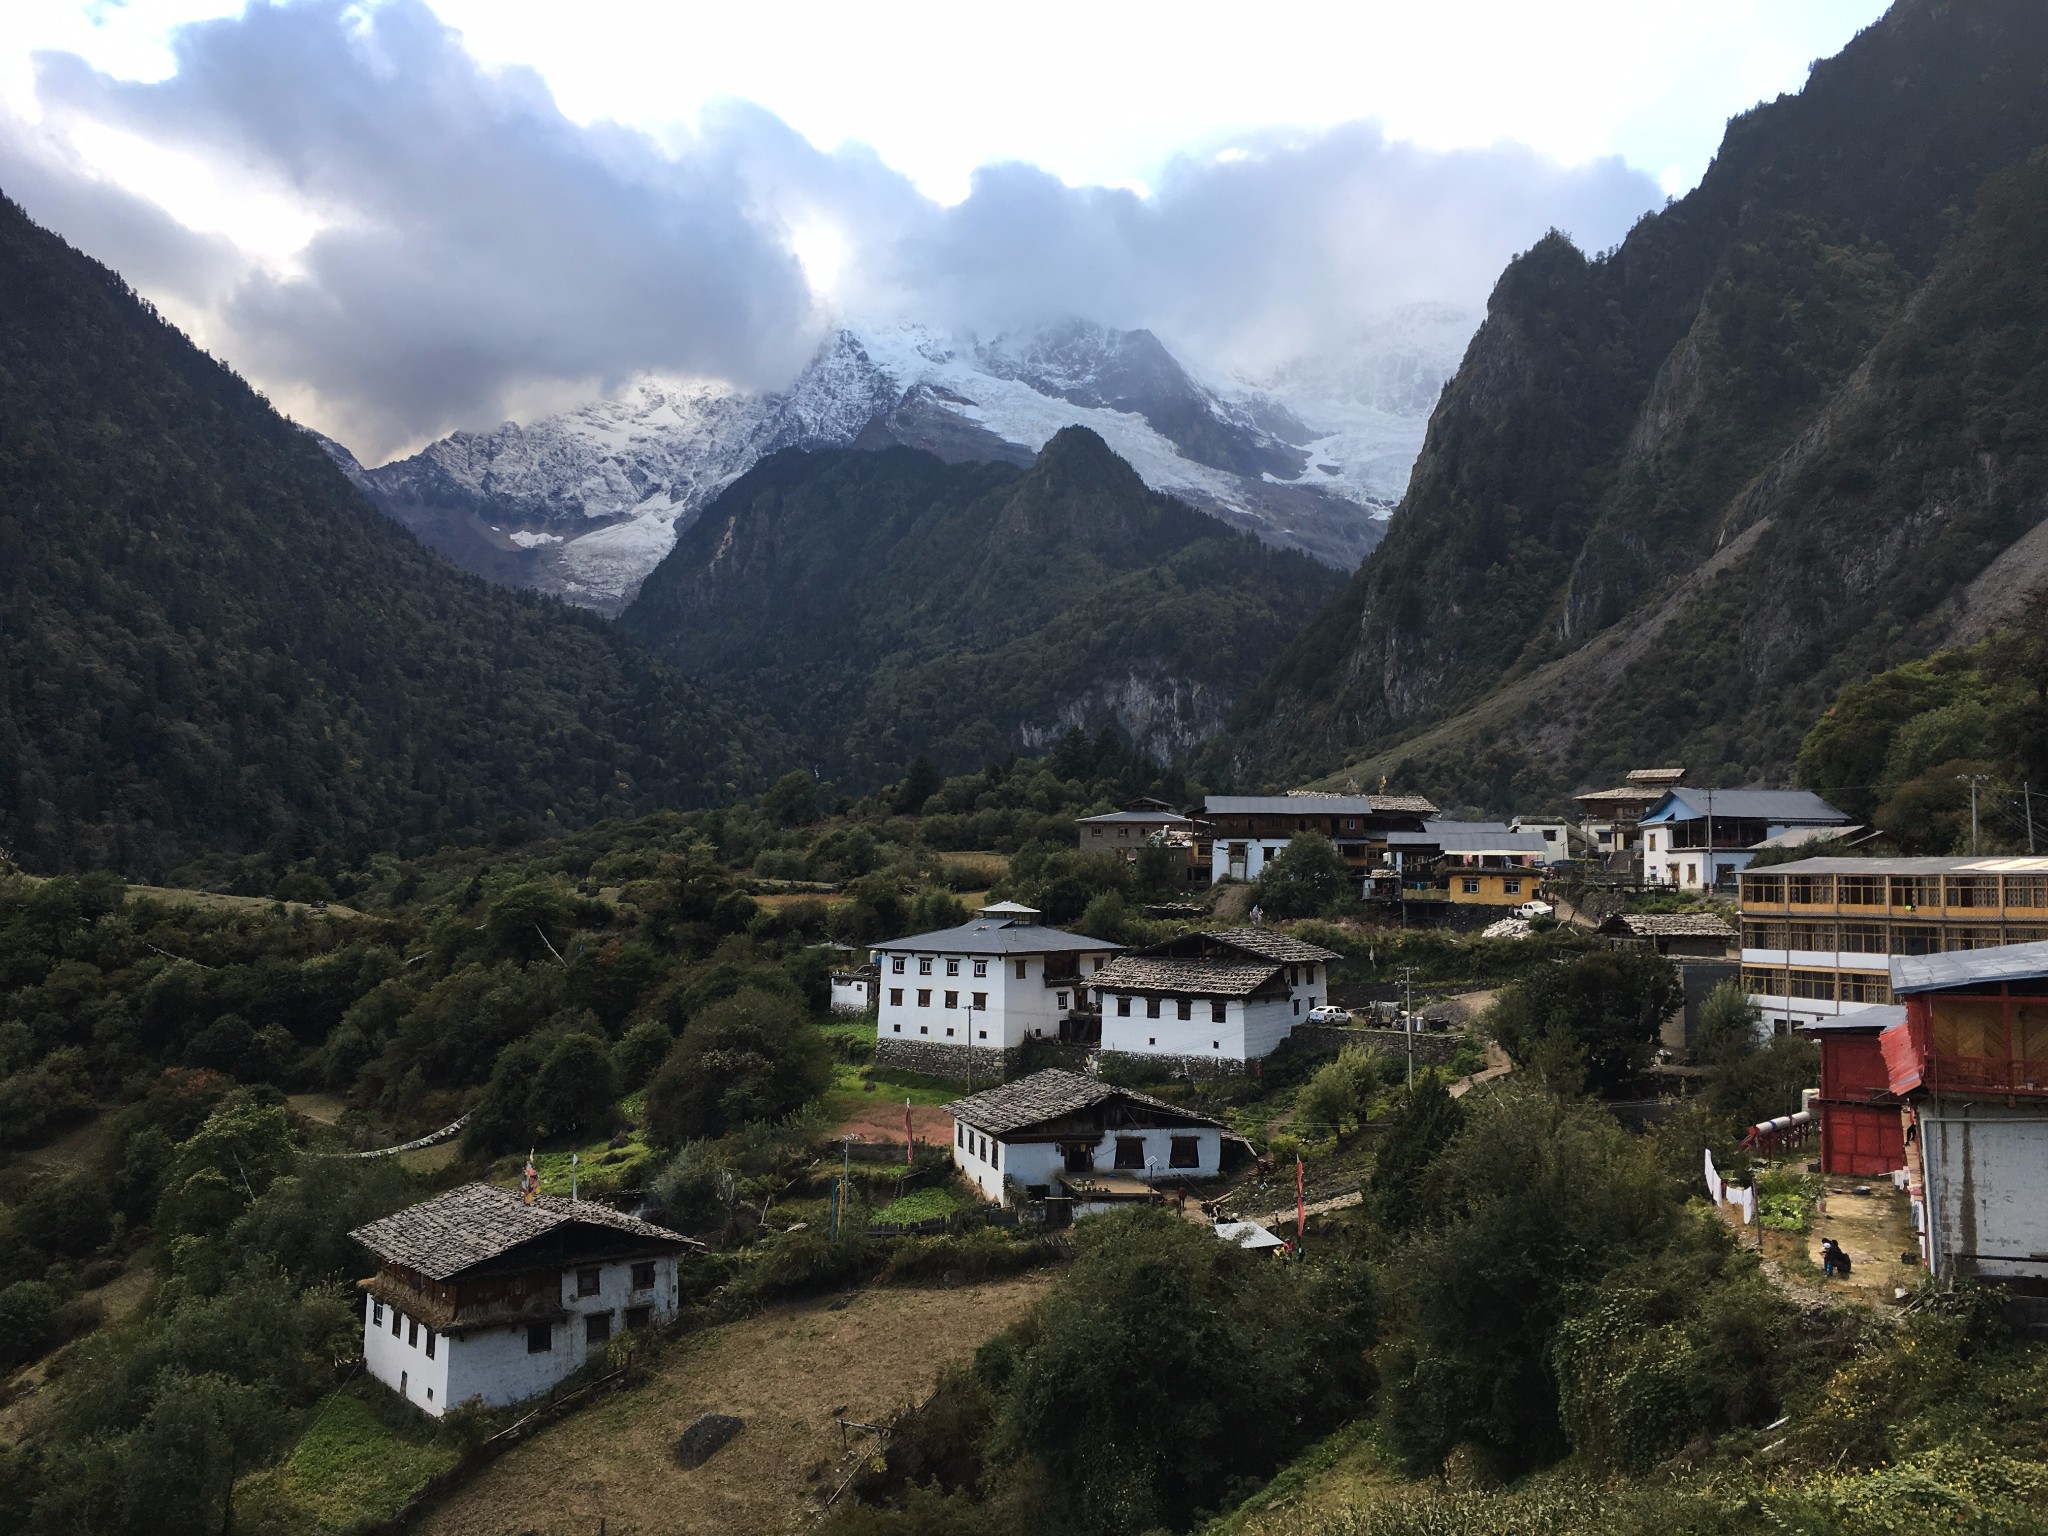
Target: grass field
[[920, 1205], [354, 1468], [784, 1373], [871, 1104], [603, 1168]]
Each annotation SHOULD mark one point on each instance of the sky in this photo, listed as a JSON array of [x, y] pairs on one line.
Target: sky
[[400, 217]]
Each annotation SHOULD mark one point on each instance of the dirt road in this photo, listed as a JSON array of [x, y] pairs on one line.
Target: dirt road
[[784, 1374]]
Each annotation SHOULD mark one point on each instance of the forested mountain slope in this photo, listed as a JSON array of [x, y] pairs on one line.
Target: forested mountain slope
[[881, 604], [1680, 493], [210, 643]]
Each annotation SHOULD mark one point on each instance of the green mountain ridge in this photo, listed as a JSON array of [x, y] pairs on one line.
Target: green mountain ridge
[[882, 604], [211, 644], [1679, 494]]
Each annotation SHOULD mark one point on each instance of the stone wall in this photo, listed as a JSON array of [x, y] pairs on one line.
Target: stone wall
[[984, 1065]]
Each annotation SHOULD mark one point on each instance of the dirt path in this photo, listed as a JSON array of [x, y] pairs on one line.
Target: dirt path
[[784, 1374]]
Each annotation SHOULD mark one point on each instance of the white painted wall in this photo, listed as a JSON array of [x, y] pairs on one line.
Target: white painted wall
[[1025, 1163], [851, 996], [1986, 1166], [494, 1363], [1250, 1028], [1556, 835], [1259, 852], [1019, 1007], [1806, 1010]]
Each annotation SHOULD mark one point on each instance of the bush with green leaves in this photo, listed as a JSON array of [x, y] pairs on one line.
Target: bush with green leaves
[[1308, 879], [752, 1057], [1591, 1020]]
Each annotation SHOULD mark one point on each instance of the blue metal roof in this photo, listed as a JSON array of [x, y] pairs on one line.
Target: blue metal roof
[[1781, 807], [1969, 967]]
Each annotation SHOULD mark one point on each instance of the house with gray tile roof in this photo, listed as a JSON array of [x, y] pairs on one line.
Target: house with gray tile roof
[[483, 1296], [962, 1001], [1226, 996], [1250, 831], [1064, 1136]]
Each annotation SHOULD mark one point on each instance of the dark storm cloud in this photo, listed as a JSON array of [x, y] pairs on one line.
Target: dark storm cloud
[[483, 249]]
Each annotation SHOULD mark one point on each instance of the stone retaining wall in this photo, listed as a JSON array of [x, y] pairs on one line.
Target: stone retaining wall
[[1431, 1050], [960, 1063]]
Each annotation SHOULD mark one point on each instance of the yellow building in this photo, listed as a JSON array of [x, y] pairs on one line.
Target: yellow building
[[1818, 935]]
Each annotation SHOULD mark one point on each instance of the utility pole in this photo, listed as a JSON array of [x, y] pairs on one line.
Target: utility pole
[[1973, 780], [2028, 791], [1408, 979]]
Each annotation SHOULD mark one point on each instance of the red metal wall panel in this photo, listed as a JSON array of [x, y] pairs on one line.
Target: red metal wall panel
[[1861, 1140]]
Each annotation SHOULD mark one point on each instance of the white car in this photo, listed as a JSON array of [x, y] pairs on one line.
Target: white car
[[1329, 1013], [1534, 909]]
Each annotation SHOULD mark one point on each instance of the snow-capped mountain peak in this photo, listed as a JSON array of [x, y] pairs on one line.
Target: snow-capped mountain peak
[[585, 503]]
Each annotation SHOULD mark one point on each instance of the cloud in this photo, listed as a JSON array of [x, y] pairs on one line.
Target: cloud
[[476, 250]]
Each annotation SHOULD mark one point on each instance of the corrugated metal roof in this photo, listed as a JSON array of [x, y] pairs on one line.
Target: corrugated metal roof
[[1772, 805], [1316, 805], [1908, 866], [997, 936], [1138, 818], [1507, 843], [1856, 1021], [477, 1222], [1798, 837], [1050, 1095], [2005, 962]]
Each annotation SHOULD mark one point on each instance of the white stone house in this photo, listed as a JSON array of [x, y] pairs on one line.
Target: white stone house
[[988, 985], [1060, 1135], [1227, 996], [479, 1296], [1692, 838]]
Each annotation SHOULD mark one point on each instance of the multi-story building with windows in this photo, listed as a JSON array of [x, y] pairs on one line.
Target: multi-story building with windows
[[1818, 935], [1250, 831], [961, 1002]]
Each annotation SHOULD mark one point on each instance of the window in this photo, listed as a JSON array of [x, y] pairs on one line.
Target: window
[[1810, 890], [1814, 984], [896, 965], [924, 997], [949, 1031], [959, 1134], [587, 1281], [1095, 831], [1216, 1011], [395, 1319], [924, 965], [1186, 1153], [1297, 1007], [637, 1317], [952, 967], [2026, 890], [1151, 1007], [430, 1343], [1511, 887], [1123, 1007], [643, 1275], [597, 1329], [1098, 962], [1130, 1152], [1021, 969], [376, 1314], [980, 1001], [540, 1338], [1470, 885], [952, 999], [1187, 1008], [1764, 889], [1860, 890], [981, 967], [895, 997], [412, 1333], [984, 1034], [1062, 1002], [1865, 987], [1215, 1045]]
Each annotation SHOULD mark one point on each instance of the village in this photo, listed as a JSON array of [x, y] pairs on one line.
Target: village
[[1924, 983]]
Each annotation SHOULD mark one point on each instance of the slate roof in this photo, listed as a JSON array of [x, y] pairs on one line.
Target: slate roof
[[1204, 978], [1671, 925], [1316, 805], [1049, 1095], [995, 936], [2006, 962], [1770, 805], [1269, 944], [1645, 794], [477, 1222]]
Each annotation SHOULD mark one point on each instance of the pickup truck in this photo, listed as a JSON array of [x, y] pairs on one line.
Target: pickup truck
[[1534, 909]]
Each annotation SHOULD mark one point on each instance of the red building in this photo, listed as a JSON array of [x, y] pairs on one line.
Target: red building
[[1861, 1132]]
